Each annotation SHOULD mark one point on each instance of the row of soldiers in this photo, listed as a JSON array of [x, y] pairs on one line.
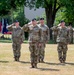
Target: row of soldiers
[[38, 37]]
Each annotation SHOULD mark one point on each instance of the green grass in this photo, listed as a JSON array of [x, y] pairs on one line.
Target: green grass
[[51, 66], [25, 41], [10, 41]]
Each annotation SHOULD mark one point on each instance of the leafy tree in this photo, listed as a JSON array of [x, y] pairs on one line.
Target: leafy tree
[[51, 8], [7, 5], [69, 12]]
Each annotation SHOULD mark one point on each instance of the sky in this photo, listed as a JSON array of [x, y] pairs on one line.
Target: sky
[[30, 14]]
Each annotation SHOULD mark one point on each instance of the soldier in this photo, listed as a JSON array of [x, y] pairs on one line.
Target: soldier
[[34, 41], [62, 40], [70, 34], [45, 39], [17, 39]]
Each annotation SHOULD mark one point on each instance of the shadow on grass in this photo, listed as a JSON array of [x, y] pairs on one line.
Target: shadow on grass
[[48, 69], [63, 64], [25, 62], [69, 63], [4, 61]]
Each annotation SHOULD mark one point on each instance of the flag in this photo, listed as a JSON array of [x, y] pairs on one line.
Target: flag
[[4, 25]]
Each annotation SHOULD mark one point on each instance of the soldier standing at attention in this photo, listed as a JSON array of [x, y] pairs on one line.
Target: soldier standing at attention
[[45, 39], [34, 41], [17, 39], [62, 40]]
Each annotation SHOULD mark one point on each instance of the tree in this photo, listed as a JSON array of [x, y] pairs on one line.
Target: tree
[[51, 8], [7, 5], [69, 12]]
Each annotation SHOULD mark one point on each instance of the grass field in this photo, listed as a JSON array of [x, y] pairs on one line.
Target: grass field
[[51, 66]]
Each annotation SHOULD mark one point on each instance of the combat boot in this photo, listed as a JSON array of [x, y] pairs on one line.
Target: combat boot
[[32, 65], [16, 58], [61, 61]]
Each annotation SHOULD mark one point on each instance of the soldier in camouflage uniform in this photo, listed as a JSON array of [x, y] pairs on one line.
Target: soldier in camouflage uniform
[[45, 39], [62, 40], [70, 34], [34, 41], [17, 39]]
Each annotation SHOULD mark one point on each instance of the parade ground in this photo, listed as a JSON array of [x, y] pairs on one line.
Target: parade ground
[[51, 66]]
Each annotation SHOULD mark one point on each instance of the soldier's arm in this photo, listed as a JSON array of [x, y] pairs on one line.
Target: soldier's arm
[[48, 34], [10, 27], [68, 36], [54, 28], [26, 27], [22, 36], [40, 38], [40, 35]]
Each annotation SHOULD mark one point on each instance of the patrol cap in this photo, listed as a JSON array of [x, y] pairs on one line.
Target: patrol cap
[[33, 19], [16, 21], [62, 21], [41, 18]]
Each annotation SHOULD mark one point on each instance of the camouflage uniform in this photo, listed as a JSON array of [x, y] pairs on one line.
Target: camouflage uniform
[[17, 39], [62, 40], [45, 39], [54, 33], [34, 40], [70, 35]]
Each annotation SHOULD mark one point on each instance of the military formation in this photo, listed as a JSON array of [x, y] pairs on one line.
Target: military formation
[[39, 36]]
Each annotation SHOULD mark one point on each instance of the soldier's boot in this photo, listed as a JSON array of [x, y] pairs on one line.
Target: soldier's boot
[[61, 61], [32, 64], [16, 58]]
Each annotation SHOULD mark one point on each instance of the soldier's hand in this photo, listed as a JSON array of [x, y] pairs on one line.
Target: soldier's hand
[[13, 24]]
